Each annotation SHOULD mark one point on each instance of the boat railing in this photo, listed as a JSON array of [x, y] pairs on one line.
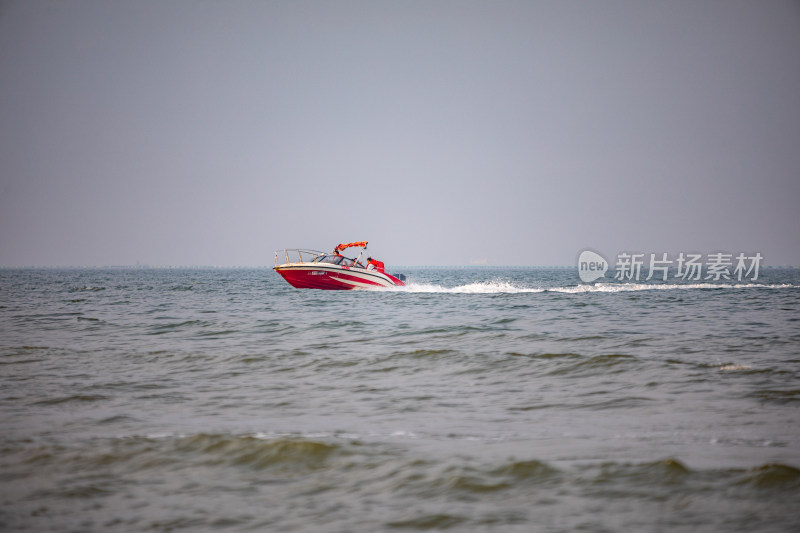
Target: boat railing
[[295, 255]]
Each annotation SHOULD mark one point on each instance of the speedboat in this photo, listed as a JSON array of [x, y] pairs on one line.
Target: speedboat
[[312, 269]]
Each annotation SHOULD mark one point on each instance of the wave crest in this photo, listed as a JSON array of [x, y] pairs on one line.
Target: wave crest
[[259, 453]]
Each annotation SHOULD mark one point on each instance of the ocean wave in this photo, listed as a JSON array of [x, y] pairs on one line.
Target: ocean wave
[[428, 522], [403, 485], [407, 468], [87, 288], [72, 398], [781, 396], [772, 476], [258, 453]]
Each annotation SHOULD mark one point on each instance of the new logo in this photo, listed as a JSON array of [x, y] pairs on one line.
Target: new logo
[[591, 266]]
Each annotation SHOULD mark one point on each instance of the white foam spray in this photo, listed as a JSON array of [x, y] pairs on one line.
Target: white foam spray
[[505, 287]]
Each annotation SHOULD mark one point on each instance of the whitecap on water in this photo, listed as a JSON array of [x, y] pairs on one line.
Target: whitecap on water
[[735, 367]]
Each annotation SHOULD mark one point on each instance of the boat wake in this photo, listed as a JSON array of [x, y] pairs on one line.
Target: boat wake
[[482, 287], [505, 287]]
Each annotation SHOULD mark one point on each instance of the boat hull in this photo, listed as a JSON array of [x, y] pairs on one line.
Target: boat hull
[[334, 277]]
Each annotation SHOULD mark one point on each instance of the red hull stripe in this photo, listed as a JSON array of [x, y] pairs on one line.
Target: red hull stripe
[[333, 278]]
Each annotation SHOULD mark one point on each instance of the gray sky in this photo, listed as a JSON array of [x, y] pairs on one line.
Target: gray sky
[[213, 132]]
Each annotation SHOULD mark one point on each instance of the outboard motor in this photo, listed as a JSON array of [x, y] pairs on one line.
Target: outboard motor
[[401, 277]]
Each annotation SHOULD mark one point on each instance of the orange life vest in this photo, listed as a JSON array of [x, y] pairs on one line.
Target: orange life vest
[[379, 266]]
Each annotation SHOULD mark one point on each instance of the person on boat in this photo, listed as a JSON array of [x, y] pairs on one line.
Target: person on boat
[[374, 264]]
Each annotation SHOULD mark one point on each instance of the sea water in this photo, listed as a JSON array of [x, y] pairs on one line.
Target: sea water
[[470, 400]]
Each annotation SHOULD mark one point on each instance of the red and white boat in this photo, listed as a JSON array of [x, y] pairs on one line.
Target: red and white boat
[[312, 269]]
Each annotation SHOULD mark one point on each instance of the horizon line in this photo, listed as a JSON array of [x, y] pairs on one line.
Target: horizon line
[[256, 267]]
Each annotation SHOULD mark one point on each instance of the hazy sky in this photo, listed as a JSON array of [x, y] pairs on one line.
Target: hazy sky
[[444, 132]]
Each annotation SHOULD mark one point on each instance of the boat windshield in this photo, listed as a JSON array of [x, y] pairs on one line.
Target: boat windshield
[[338, 260], [331, 258]]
